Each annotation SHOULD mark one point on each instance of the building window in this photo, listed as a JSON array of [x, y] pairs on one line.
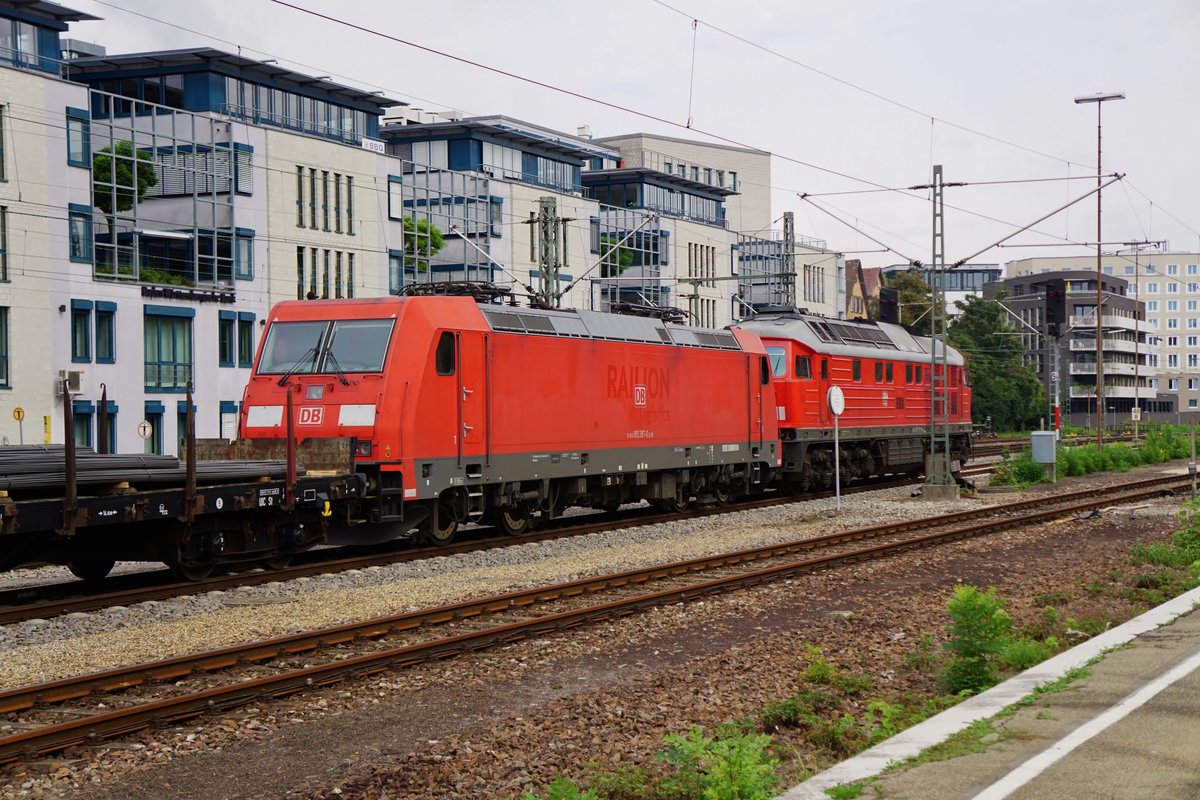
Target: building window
[[312, 197], [349, 205], [3, 174], [349, 274], [1172, 269], [1173, 384], [324, 200], [81, 331], [5, 379], [78, 135], [245, 339], [337, 202], [79, 226], [3, 244], [82, 417], [168, 348], [243, 257], [1152, 287], [299, 197], [1172, 288], [1152, 305], [299, 273], [1193, 383], [106, 332], [225, 338], [395, 271]]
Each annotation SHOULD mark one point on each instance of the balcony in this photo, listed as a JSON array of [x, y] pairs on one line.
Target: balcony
[[1110, 369], [1113, 391], [1110, 346]]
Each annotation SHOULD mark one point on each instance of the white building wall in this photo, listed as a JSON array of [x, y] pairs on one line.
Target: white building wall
[[749, 211], [39, 186]]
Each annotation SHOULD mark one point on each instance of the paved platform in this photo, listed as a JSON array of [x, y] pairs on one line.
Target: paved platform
[[1130, 730]]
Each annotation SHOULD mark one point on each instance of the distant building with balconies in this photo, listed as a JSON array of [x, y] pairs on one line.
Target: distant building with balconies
[[1168, 285], [1066, 364]]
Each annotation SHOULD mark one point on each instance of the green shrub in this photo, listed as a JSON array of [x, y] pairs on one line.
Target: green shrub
[[563, 789], [978, 630], [734, 768], [803, 709], [1021, 654], [1019, 471]]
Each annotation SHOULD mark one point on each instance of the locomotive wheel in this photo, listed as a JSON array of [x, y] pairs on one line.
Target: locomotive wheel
[[193, 572], [722, 496], [438, 534], [513, 521], [675, 505], [91, 569]]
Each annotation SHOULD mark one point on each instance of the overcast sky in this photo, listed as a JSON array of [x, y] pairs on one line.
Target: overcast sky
[[935, 79]]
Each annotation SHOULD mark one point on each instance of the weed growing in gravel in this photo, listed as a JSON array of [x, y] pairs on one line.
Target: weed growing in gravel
[[848, 791], [563, 789], [925, 659], [1021, 654], [1052, 599], [734, 768]]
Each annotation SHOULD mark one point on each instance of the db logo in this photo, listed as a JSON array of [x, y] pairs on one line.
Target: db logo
[[311, 415], [639, 395]]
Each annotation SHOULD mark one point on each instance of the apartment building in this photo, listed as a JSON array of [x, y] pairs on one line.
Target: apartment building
[[1066, 360], [1168, 286]]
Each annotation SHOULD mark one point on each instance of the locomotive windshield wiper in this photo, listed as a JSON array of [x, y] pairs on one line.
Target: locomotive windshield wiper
[[330, 357], [294, 368]]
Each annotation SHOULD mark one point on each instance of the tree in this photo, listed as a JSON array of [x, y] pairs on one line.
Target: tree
[[615, 261], [914, 296], [1003, 387], [422, 241], [115, 183]]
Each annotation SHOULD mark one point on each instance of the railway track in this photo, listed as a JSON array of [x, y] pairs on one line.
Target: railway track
[[118, 701], [53, 600]]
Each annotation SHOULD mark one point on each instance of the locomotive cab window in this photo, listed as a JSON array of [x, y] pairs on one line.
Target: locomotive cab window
[[292, 347], [803, 367], [444, 357], [778, 358], [856, 369], [824, 369], [908, 373], [879, 372], [357, 345], [889, 372], [764, 364], [918, 374]]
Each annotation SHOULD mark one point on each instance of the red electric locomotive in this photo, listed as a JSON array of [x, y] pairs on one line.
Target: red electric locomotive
[[461, 412], [884, 373]]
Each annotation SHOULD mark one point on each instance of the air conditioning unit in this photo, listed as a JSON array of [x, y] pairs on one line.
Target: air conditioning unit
[[74, 381]]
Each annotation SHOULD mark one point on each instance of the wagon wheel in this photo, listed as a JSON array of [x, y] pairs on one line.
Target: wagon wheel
[[437, 533], [721, 495], [513, 521], [91, 569]]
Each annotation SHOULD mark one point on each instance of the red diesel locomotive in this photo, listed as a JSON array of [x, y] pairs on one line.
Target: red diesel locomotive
[[884, 373], [461, 412]]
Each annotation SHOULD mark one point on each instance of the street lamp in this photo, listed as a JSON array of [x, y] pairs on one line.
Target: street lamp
[[1099, 99]]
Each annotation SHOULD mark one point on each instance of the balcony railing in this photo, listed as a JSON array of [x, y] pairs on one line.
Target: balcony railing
[[1113, 391], [1110, 346]]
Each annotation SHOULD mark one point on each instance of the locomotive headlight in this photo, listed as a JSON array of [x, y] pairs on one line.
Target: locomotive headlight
[[314, 391], [364, 448]]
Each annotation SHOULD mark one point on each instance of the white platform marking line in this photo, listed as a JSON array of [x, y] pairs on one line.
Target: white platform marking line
[[1042, 761]]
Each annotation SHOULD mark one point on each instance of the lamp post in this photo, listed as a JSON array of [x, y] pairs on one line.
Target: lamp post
[[1099, 99]]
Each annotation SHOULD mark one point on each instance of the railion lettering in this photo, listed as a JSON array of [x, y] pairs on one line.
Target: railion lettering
[[622, 380]]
